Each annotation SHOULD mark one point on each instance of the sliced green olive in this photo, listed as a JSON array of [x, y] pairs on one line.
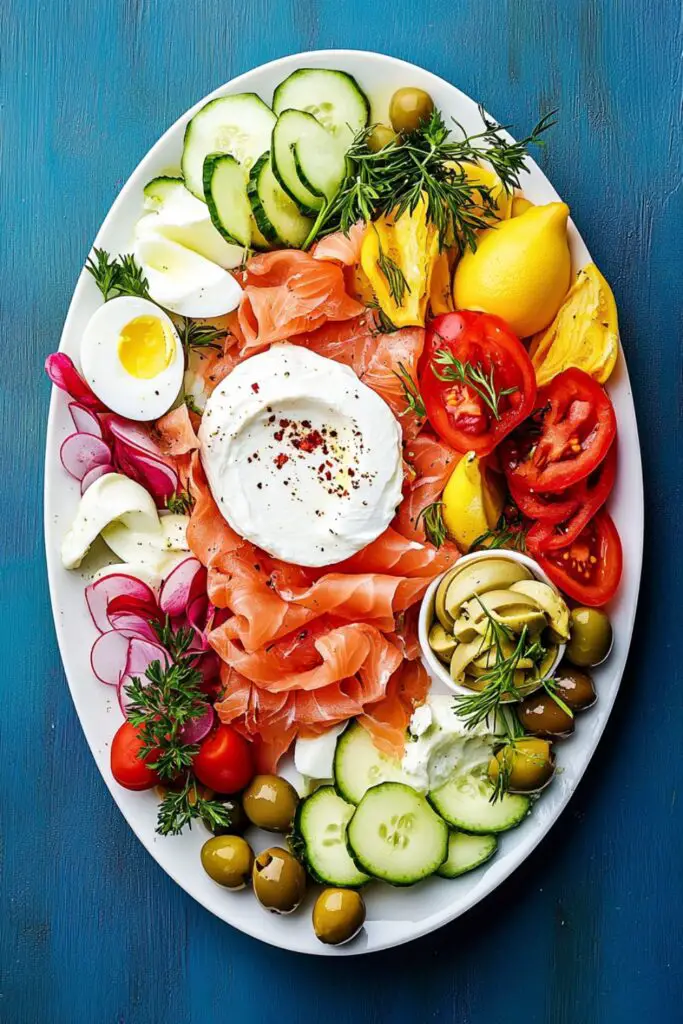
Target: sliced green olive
[[442, 643], [528, 766], [409, 107], [380, 136], [444, 618], [550, 602], [464, 655], [479, 577], [575, 687], [590, 639], [543, 716]]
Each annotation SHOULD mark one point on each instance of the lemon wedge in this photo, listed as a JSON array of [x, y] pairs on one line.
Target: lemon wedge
[[472, 501]]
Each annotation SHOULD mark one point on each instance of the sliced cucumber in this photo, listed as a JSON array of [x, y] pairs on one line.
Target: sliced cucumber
[[395, 835], [465, 802], [358, 764], [289, 128], [465, 853], [240, 125], [334, 98], [321, 168], [320, 822], [276, 215], [159, 190], [225, 189]]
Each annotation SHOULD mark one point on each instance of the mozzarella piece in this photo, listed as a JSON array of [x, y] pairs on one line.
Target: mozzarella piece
[[314, 758], [105, 501], [157, 545], [302, 458], [183, 281]]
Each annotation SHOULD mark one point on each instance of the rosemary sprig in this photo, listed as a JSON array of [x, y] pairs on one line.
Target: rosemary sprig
[[118, 276], [446, 367], [411, 392], [194, 334], [431, 518], [180, 502], [384, 324], [427, 163], [179, 808], [392, 273]]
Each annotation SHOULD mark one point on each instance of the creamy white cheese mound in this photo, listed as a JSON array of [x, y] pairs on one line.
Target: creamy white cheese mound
[[440, 744], [301, 457]]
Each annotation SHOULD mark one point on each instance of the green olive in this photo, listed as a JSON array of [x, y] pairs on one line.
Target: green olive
[[528, 765], [441, 642], [590, 637], [543, 716], [575, 687], [228, 860], [270, 802], [338, 915], [408, 108], [380, 136], [279, 880], [238, 819]]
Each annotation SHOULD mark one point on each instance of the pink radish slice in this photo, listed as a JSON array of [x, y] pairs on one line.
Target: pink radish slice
[[109, 655], [198, 728], [94, 474], [208, 663], [81, 452], [64, 375], [134, 435], [156, 476], [141, 654], [85, 420], [178, 585], [102, 591]]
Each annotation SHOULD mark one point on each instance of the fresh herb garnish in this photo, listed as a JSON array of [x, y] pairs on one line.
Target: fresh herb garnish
[[446, 367], [180, 502], [431, 518], [506, 534], [427, 163], [392, 273], [189, 401], [118, 276], [383, 323], [179, 808], [411, 392], [195, 334]]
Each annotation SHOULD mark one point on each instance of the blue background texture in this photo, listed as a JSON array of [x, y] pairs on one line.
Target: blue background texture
[[588, 931]]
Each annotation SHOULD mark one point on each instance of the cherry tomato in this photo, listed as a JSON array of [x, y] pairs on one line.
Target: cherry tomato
[[484, 346], [224, 761], [128, 768], [590, 495], [567, 437], [588, 569]]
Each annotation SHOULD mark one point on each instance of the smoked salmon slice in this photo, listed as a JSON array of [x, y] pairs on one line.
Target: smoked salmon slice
[[288, 292], [343, 248], [387, 720], [431, 463], [175, 434]]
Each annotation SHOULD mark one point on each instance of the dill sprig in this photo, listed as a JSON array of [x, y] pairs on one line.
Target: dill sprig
[[411, 392], [394, 276], [118, 276], [431, 518], [446, 367], [427, 163]]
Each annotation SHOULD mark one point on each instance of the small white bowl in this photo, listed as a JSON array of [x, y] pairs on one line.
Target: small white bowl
[[435, 666]]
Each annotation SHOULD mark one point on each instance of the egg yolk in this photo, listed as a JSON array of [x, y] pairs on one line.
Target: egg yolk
[[145, 347]]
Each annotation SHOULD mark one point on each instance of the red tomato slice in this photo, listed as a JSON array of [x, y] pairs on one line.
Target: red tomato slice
[[128, 768], [549, 508], [457, 409], [224, 761], [590, 495], [567, 437], [588, 569]]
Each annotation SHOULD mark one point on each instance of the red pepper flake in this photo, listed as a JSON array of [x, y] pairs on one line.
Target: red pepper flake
[[309, 442], [280, 460], [278, 435], [255, 388]]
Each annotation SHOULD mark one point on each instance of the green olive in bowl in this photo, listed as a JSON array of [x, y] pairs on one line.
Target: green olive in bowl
[[590, 637], [338, 915], [279, 880], [269, 802], [228, 860], [409, 107]]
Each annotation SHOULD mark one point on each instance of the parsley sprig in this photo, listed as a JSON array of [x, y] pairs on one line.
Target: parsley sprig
[[446, 367]]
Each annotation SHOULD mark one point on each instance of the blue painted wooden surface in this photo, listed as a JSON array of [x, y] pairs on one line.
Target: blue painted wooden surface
[[589, 930]]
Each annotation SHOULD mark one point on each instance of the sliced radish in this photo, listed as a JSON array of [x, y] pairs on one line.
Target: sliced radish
[[133, 435], [94, 474], [198, 728], [81, 452], [85, 420], [141, 654], [160, 479], [109, 655], [178, 586], [102, 591], [64, 375]]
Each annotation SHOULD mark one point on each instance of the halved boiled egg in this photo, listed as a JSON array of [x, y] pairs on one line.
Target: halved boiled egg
[[183, 281], [132, 358]]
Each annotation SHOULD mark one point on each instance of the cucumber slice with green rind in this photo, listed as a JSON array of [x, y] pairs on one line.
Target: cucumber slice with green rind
[[158, 190], [466, 852], [289, 128], [395, 835], [276, 215], [334, 98], [465, 803], [321, 168], [358, 764], [320, 822], [239, 125], [225, 191]]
